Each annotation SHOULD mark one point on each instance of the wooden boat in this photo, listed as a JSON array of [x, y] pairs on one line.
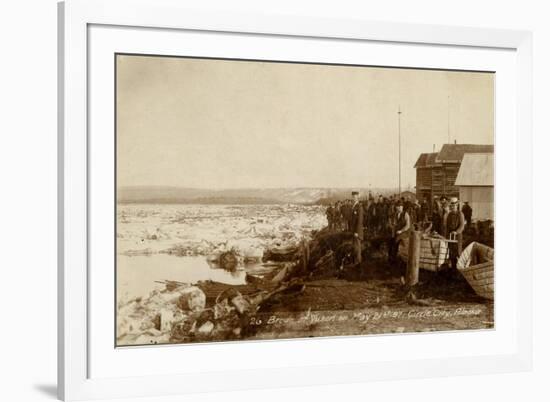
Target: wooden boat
[[476, 265], [280, 254], [434, 252]]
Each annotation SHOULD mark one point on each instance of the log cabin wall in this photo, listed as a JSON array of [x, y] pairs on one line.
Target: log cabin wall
[[438, 181], [423, 183], [450, 173], [436, 172], [443, 180]]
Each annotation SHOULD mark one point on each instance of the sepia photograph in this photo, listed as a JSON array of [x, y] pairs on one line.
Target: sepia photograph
[[264, 200]]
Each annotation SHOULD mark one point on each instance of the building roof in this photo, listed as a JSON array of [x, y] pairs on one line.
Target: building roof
[[421, 161], [431, 161], [477, 169], [453, 153], [425, 160]]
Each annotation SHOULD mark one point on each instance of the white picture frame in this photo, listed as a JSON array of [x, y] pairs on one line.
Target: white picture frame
[[76, 18]]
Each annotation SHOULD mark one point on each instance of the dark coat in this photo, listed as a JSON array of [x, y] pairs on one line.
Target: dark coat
[[401, 223], [424, 211], [382, 212], [437, 222], [346, 211], [372, 215], [453, 222], [346, 215], [467, 211]]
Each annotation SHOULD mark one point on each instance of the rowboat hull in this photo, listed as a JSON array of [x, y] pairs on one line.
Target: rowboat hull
[[477, 266]]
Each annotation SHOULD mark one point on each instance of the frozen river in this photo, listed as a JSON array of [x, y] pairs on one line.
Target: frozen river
[[176, 242]]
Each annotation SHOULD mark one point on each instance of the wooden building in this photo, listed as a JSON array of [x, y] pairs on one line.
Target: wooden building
[[476, 184], [436, 172], [424, 170]]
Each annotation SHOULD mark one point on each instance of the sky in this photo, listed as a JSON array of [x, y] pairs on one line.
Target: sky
[[246, 124]]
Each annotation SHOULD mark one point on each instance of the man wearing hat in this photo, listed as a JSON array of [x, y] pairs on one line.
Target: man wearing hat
[[372, 215], [467, 211], [346, 215], [330, 216], [453, 224], [356, 226], [402, 222], [382, 213], [424, 210]]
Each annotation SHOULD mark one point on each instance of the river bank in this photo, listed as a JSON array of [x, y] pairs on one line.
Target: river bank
[[313, 292], [370, 300]]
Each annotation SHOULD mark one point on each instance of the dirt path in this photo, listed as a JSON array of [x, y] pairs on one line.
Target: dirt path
[[370, 300]]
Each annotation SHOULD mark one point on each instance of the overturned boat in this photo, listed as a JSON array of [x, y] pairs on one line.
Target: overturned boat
[[476, 265]]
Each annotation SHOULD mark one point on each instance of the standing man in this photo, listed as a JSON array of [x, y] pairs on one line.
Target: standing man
[[391, 217], [467, 211], [445, 209], [414, 212], [357, 226], [330, 217], [437, 216], [402, 223], [444, 203], [372, 215], [346, 215], [454, 226], [337, 214], [366, 205], [380, 213], [424, 210]]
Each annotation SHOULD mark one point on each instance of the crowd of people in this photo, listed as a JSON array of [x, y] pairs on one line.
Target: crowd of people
[[392, 217]]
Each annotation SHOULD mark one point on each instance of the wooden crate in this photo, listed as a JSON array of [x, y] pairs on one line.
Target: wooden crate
[[434, 253]]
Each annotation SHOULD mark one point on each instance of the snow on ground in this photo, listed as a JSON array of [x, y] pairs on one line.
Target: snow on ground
[[209, 229]]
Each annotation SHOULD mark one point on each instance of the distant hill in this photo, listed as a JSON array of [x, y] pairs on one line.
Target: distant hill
[[182, 195]]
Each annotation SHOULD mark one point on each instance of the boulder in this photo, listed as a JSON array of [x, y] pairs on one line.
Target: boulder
[[222, 309], [166, 320], [206, 328], [241, 304], [192, 298]]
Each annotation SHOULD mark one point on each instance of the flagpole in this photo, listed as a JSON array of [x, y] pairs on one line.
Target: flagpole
[[399, 137], [448, 119]]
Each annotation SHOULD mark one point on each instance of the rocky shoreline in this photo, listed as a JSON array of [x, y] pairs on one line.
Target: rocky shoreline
[[312, 292]]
